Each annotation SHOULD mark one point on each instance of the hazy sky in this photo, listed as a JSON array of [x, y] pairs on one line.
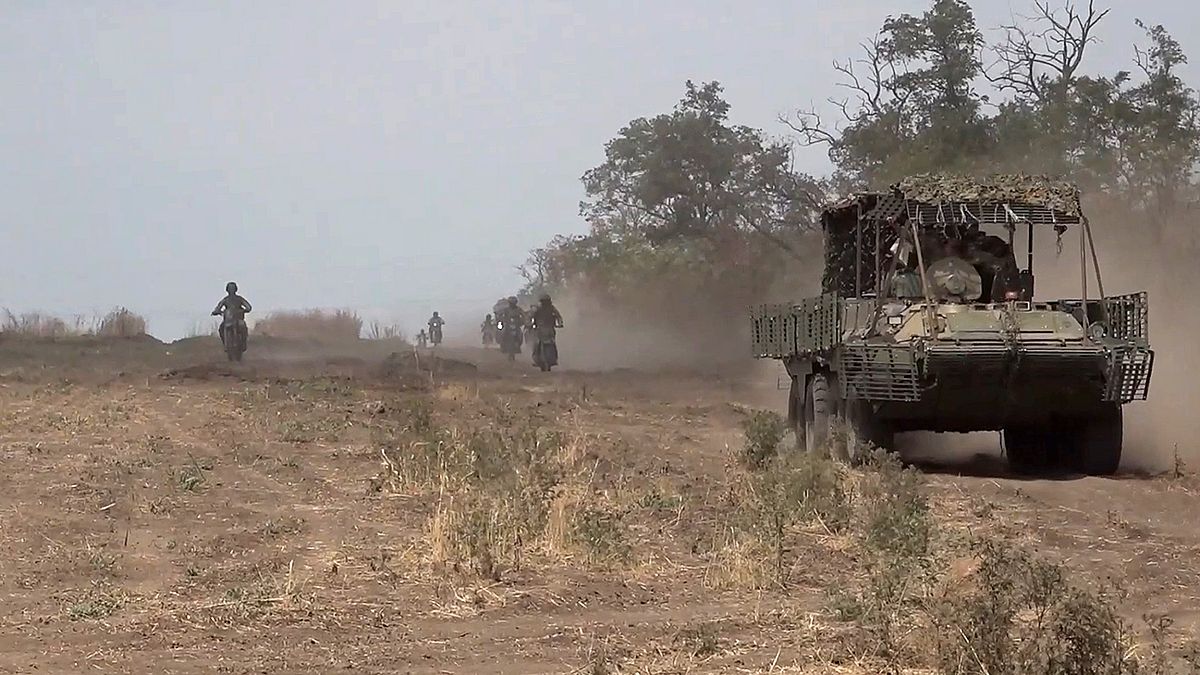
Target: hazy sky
[[392, 157]]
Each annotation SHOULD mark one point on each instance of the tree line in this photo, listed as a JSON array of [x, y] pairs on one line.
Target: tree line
[[718, 208]]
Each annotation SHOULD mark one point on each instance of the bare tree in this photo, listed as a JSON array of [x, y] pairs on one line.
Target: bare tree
[[874, 83], [1041, 59]]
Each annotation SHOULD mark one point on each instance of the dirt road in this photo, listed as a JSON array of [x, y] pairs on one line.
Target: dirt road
[[162, 512]]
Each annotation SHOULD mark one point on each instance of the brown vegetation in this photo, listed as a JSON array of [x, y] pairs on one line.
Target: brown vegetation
[[119, 322], [38, 325], [122, 323], [312, 324]]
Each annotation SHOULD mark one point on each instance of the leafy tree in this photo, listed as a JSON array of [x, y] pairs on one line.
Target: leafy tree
[[691, 173], [915, 107], [1160, 142]]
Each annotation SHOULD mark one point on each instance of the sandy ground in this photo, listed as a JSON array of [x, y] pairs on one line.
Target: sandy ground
[[161, 511]]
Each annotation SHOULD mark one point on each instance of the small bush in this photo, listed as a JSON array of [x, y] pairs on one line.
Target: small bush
[[1012, 613], [770, 505], [98, 604], [600, 532], [121, 323], [314, 324], [764, 430], [700, 641], [505, 495], [897, 523], [485, 531]]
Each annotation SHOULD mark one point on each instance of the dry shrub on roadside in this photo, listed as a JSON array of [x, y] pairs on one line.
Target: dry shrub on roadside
[[381, 331], [39, 325], [121, 323], [118, 323], [764, 430], [919, 601], [319, 325], [1012, 613], [506, 492], [770, 507]]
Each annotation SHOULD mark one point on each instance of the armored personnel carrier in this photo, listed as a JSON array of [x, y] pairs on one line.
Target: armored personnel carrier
[[928, 322]]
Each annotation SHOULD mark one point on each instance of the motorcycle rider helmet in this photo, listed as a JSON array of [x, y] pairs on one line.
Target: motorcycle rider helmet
[[544, 298], [231, 287], [512, 300]]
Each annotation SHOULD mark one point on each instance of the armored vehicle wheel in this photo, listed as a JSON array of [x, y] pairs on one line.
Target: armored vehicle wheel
[[795, 411], [865, 429], [1097, 442], [820, 411], [1032, 449]]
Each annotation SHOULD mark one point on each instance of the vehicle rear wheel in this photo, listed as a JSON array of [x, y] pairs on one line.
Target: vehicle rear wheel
[[820, 411], [795, 410], [1097, 442]]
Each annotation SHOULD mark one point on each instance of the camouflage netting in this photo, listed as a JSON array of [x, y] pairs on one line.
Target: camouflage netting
[[1059, 195]]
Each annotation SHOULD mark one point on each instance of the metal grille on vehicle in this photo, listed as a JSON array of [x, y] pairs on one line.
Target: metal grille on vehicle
[[1129, 374], [880, 373], [1129, 317], [987, 213]]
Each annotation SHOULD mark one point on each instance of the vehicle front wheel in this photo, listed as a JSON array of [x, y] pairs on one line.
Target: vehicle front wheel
[[865, 430], [1098, 441], [1031, 449]]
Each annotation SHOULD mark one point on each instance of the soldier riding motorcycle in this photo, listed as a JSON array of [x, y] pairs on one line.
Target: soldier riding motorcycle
[[545, 319], [233, 309], [435, 329], [509, 325], [487, 331]]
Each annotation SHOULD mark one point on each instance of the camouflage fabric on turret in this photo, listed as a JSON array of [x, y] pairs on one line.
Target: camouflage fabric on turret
[[1059, 195]]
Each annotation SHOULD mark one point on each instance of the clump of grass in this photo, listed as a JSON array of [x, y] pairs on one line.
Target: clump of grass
[[602, 657], [100, 602], [102, 561], [507, 492], [764, 430], [488, 531], [601, 532], [995, 610], [700, 641], [190, 477], [266, 592], [319, 325], [121, 323]]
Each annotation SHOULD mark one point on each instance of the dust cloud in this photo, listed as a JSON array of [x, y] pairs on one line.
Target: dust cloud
[[1134, 257], [671, 326], [602, 337], [1162, 259]]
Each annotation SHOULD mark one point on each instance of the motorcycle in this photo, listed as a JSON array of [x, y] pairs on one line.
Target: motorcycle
[[435, 334], [233, 337], [545, 348], [510, 339]]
